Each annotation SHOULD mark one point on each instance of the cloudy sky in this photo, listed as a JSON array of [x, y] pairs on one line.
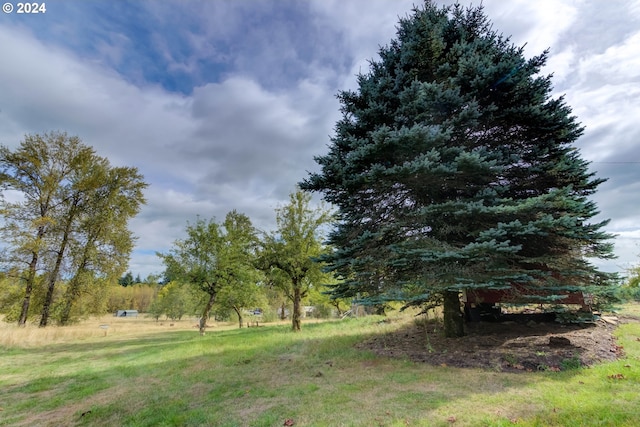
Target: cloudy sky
[[222, 104]]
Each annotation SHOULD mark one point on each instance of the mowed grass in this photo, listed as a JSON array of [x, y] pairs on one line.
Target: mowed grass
[[144, 374]]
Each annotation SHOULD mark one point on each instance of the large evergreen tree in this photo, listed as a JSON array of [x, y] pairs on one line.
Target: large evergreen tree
[[453, 167]]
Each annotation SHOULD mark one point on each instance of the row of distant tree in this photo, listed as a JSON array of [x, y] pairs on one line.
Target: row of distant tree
[[67, 244], [176, 301], [128, 279]]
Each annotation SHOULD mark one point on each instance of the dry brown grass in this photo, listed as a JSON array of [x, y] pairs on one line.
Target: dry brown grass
[[12, 336]]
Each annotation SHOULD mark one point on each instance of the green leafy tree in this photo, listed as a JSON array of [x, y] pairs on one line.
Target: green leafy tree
[[92, 299], [106, 242], [323, 305], [61, 181], [11, 295], [80, 189], [174, 300], [289, 255], [242, 294], [85, 171], [35, 170], [156, 309], [212, 256], [633, 277], [177, 302], [630, 289], [453, 168], [276, 298]]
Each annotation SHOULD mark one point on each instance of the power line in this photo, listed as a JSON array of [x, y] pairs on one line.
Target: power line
[[617, 163]]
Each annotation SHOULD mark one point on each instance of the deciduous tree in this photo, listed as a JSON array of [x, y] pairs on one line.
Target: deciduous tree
[[290, 254], [174, 300], [61, 186], [103, 240], [35, 171], [242, 294], [213, 256]]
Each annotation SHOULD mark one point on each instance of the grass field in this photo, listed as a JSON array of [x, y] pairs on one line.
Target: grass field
[[142, 373]]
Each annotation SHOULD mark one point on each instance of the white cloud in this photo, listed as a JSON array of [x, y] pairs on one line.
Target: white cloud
[[230, 145], [619, 64], [121, 120], [603, 91], [536, 24], [247, 134], [561, 65], [364, 25]]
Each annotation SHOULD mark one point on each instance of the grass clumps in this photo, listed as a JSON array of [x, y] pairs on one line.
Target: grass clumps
[[142, 374]]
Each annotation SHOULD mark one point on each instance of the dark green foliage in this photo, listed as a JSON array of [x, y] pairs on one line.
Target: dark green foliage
[[453, 168], [126, 280], [214, 256]]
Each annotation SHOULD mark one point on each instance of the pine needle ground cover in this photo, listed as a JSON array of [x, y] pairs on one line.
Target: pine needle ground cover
[[141, 374]]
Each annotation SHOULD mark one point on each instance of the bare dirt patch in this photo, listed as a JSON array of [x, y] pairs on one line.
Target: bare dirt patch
[[517, 343]]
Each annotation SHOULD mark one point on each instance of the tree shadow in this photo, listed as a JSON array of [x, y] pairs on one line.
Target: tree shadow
[[516, 343]]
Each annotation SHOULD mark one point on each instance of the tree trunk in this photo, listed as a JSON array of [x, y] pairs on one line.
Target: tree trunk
[[73, 291], [44, 319], [22, 320], [282, 311], [453, 317], [336, 304], [240, 319], [206, 312], [297, 309], [66, 310], [46, 307]]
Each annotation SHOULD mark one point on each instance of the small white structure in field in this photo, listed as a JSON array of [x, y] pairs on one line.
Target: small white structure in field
[[126, 313]]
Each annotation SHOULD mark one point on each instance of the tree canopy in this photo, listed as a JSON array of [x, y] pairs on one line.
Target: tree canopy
[[213, 256], [71, 216], [454, 168], [289, 255]]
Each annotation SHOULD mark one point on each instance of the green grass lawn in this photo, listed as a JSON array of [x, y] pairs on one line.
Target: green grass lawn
[[266, 376]]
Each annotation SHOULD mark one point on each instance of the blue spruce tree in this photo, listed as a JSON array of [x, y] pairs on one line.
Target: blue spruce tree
[[453, 168]]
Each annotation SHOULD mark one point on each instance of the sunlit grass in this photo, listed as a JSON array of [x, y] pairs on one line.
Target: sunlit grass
[[146, 374], [33, 336]]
